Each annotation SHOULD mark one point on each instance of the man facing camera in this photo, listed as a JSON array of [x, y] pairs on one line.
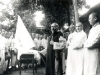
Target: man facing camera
[[77, 42], [52, 52]]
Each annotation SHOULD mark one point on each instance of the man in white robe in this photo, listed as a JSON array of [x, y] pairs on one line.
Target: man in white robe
[[91, 46], [69, 63], [77, 45]]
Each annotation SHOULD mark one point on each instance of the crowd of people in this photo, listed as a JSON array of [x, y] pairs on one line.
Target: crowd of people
[[83, 49], [79, 49], [8, 53], [82, 56]]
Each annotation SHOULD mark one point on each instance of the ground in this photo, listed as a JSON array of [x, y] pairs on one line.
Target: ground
[[41, 71]]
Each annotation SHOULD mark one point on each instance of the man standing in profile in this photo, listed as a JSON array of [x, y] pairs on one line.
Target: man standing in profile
[[91, 46], [50, 63]]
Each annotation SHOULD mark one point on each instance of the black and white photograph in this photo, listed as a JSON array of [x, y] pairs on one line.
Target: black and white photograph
[[49, 37]]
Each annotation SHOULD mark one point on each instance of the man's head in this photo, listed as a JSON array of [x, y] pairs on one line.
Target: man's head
[[93, 18], [79, 27], [40, 36], [37, 36], [12, 36], [3, 32], [71, 28], [33, 35], [45, 36], [54, 27]]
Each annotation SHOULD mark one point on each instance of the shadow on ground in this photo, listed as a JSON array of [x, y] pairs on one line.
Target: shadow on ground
[[40, 71]]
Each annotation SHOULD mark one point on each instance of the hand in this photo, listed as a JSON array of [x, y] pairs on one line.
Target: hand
[[77, 48], [52, 42]]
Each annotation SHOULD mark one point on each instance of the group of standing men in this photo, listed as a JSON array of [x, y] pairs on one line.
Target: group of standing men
[[83, 50], [82, 58], [8, 52]]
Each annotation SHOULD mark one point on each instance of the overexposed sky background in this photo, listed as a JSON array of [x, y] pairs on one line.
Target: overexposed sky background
[[91, 3], [8, 4]]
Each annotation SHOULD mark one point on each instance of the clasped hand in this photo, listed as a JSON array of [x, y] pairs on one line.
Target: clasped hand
[[51, 42]]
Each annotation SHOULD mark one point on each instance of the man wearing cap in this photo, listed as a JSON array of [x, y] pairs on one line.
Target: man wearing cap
[[51, 53]]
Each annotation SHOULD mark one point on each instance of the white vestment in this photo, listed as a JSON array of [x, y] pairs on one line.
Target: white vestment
[[78, 52], [75, 57], [77, 45], [91, 55], [69, 68]]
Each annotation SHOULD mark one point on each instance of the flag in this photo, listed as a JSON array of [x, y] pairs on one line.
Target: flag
[[23, 39]]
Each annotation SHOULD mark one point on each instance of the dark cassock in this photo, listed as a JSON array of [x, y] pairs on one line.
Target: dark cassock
[[52, 54]]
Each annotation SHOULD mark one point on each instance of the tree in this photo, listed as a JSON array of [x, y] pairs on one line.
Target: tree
[[55, 11]]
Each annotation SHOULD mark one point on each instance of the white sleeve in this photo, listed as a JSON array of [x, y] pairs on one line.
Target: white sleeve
[[80, 41], [93, 41]]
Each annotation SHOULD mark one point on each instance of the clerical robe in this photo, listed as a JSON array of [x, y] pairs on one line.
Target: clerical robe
[[69, 64], [78, 51], [50, 61], [91, 48]]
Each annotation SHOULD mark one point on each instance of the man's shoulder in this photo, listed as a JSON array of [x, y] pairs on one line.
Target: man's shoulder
[[83, 34], [98, 25]]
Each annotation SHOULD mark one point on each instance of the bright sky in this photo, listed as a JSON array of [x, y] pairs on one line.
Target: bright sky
[[5, 1], [91, 3], [39, 16]]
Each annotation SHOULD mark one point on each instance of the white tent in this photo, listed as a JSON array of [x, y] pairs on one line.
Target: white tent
[[23, 39]]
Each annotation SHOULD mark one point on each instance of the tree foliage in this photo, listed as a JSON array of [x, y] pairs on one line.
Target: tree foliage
[[54, 10]]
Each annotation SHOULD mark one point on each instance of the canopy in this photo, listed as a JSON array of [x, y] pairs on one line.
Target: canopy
[[84, 18], [96, 9]]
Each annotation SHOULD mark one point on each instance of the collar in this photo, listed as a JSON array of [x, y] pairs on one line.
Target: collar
[[80, 31], [96, 24]]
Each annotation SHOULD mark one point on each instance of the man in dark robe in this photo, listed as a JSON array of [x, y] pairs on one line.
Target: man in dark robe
[[50, 61]]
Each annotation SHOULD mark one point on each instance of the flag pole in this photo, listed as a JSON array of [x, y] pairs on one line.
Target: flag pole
[[76, 11]]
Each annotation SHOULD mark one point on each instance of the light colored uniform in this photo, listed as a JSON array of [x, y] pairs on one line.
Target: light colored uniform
[[91, 55]]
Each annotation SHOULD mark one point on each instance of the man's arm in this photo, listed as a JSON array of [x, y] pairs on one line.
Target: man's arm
[[95, 42], [79, 44]]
